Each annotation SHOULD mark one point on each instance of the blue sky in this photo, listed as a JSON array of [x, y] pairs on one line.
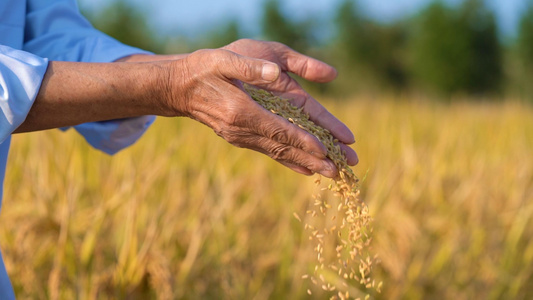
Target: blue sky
[[197, 16]]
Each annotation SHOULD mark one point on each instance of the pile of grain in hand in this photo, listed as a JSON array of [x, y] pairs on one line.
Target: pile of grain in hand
[[343, 234]]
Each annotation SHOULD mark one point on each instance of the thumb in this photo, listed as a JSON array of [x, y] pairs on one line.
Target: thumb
[[249, 70]]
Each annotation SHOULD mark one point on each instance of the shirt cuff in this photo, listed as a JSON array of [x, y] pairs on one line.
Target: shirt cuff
[[21, 75]]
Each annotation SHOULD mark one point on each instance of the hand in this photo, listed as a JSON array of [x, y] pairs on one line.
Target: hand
[[207, 88], [307, 68]]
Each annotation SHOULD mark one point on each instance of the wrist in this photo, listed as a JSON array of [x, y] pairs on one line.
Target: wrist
[[169, 88]]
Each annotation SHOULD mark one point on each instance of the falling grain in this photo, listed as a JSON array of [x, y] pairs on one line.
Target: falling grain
[[352, 212]]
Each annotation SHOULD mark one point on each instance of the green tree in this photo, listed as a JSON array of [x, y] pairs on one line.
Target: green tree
[[353, 33], [369, 51], [456, 50], [277, 27], [439, 50], [485, 55], [521, 56], [525, 38], [222, 36]]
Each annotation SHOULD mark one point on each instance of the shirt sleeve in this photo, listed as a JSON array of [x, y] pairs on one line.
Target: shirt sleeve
[[57, 31], [21, 74]]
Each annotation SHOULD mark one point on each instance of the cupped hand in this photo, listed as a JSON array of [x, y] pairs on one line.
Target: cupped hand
[[208, 89], [308, 68]]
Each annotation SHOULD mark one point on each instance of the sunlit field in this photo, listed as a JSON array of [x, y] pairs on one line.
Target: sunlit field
[[184, 215]]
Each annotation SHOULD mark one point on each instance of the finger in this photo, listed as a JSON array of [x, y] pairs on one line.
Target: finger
[[318, 113], [290, 156], [351, 156], [280, 130], [247, 117], [246, 69], [294, 158], [321, 116], [297, 169], [308, 67]]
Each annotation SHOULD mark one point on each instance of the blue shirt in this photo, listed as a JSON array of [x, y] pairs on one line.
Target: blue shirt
[[32, 32]]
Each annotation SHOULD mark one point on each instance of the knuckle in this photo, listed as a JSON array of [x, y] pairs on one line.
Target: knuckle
[[311, 143], [212, 58], [245, 69], [233, 136], [232, 63], [227, 135], [235, 115], [304, 67], [201, 54], [279, 134], [282, 49], [204, 60], [223, 54], [313, 164], [280, 152]]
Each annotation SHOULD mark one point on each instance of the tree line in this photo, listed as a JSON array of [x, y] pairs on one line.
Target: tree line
[[442, 50]]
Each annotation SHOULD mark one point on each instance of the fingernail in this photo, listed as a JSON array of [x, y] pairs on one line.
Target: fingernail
[[270, 72]]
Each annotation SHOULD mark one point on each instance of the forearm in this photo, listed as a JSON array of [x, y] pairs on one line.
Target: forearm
[[75, 93]]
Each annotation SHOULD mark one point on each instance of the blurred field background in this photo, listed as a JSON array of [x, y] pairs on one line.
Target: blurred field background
[[444, 128]]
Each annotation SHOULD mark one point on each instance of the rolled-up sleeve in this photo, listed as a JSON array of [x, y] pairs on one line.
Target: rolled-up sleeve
[[21, 74], [57, 31]]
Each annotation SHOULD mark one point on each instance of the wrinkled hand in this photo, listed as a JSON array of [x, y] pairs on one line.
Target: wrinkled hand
[[210, 91], [307, 68]]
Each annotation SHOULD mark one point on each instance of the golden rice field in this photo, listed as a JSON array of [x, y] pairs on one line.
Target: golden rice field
[[183, 215]]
